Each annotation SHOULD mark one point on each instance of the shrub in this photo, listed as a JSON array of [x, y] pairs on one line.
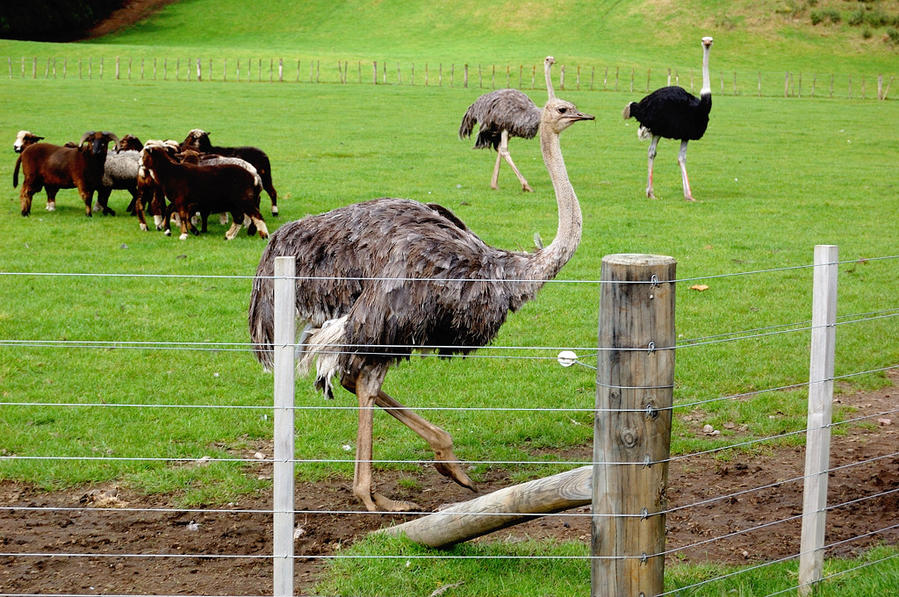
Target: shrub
[[893, 36]]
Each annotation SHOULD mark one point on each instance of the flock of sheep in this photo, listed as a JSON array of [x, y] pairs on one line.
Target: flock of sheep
[[170, 180]]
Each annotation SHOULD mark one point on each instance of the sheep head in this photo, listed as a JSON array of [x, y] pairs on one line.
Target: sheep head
[[197, 139], [23, 140]]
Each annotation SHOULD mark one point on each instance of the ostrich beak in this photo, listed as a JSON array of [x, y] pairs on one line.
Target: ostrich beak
[[578, 115]]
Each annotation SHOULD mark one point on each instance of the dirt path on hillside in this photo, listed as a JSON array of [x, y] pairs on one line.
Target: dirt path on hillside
[[130, 13]]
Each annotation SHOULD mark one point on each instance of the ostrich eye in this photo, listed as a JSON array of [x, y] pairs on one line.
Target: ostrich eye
[[563, 110]]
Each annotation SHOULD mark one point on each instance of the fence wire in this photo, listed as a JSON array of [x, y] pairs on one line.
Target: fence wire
[[506, 353]]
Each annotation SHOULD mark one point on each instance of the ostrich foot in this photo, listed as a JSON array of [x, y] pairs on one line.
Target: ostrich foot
[[650, 194], [454, 471], [526, 187], [386, 504], [689, 198]]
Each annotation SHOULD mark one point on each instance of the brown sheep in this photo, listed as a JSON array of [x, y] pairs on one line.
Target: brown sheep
[[54, 167]]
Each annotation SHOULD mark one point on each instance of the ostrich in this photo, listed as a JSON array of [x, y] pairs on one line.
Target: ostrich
[[376, 280], [502, 113], [674, 113]]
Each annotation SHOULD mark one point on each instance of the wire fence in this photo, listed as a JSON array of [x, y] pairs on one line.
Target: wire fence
[[781, 486], [586, 77]]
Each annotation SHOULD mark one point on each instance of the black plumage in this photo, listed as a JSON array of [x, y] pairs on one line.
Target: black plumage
[[674, 113]]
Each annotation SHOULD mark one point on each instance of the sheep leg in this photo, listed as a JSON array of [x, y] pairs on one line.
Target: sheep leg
[[88, 198], [682, 162], [103, 202], [25, 198], [652, 156], [504, 152], [368, 386], [233, 230], [51, 197], [266, 177]]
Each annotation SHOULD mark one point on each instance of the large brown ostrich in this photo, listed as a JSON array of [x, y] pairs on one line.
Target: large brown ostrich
[[377, 280], [501, 113], [674, 113]]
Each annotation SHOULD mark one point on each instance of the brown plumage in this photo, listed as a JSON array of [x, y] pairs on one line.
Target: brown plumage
[[501, 114], [376, 280]]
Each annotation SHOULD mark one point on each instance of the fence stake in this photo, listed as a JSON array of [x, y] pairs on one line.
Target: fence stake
[[820, 404], [635, 373], [283, 474]]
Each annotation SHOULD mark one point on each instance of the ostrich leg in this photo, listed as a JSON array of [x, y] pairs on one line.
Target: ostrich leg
[[368, 386], [495, 178], [504, 152], [652, 156], [440, 441], [682, 162]]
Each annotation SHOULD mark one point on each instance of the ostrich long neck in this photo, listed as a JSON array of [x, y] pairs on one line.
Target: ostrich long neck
[[547, 72], [706, 79], [547, 262]]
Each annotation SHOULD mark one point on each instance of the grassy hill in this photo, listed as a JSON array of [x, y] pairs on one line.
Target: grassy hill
[[769, 34]]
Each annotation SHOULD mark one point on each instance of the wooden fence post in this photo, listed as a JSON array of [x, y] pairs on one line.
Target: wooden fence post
[[283, 474], [820, 405], [632, 424]]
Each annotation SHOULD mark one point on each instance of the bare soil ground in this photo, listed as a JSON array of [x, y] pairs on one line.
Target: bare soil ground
[[129, 528]]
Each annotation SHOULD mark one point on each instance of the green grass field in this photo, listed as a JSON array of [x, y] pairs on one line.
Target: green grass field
[[773, 177]]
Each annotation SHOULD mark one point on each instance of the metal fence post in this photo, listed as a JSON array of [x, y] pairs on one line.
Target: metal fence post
[[283, 477], [820, 405]]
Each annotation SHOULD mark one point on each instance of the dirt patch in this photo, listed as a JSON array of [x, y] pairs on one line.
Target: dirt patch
[[130, 13], [130, 528]]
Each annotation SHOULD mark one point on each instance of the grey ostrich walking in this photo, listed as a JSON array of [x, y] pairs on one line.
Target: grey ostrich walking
[[674, 113], [502, 113], [379, 279]]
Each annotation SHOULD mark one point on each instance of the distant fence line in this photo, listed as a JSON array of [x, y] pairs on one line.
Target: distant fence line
[[578, 77]]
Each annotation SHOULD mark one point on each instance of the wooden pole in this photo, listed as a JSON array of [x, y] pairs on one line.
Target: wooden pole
[[283, 474], [632, 425], [500, 509], [820, 406]]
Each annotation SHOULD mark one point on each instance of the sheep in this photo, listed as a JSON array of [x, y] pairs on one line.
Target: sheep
[[207, 189], [198, 140], [119, 172], [23, 140], [54, 167]]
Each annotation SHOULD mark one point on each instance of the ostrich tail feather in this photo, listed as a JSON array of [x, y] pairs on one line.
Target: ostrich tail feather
[[323, 345], [626, 113]]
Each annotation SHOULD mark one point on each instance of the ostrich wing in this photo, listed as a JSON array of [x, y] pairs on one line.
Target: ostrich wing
[[504, 109]]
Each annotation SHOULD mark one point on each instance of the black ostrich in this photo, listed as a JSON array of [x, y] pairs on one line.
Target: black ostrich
[[502, 113], [379, 279], [674, 113]]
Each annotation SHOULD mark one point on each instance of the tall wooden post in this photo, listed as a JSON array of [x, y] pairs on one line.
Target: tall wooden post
[[820, 405], [632, 426], [283, 473]]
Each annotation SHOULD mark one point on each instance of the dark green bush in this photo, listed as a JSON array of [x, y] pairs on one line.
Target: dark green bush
[[52, 20]]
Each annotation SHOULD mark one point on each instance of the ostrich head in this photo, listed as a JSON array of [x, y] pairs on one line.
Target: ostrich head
[[559, 114], [706, 42]]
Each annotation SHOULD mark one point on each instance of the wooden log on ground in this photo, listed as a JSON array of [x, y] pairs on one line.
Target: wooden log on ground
[[500, 509]]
